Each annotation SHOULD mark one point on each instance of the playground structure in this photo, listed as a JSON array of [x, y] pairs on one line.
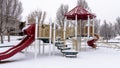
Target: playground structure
[[65, 32], [48, 34], [79, 14]]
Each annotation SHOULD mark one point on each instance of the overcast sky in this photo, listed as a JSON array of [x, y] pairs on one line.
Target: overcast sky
[[104, 9]]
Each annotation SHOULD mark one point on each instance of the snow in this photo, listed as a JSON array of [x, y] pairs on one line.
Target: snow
[[25, 27], [102, 57], [69, 50], [13, 40], [116, 39]]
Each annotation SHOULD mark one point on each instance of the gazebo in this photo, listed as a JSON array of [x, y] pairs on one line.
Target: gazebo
[[79, 13]]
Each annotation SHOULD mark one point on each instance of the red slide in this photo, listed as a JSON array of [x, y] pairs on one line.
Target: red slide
[[91, 42], [30, 32]]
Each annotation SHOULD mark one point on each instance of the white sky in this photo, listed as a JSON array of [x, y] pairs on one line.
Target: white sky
[[104, 9]]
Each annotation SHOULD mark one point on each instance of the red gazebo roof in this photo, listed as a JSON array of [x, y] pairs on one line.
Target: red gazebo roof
[[80, 12]]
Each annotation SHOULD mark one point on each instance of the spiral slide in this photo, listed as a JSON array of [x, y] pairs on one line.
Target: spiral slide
[[91, 43], [30, 32]]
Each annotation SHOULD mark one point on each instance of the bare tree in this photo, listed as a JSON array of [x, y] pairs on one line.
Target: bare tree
[[97, 26], [10, 15], [118, 25], [32, 16], [83, 4], [116, 28], [112, 31], [13, 12], [7, 15], [107, 30], [60, 14], [103, 30], [1, 19]]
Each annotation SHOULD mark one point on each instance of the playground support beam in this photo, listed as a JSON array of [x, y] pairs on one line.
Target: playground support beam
[[88, 35], [80, 35], [64, 29], [50, 37], [88, 30], [93, 26], [54, 33], [26, 24], [40, 32], [76, 31], [76, 27], [36, 30]]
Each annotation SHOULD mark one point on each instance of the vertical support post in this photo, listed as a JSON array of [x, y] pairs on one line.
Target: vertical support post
[[88, 27], [76, 27], [40, 34], [93, 27], [43, 47], [26, 24], [64, 29], [54, 36], [76, 32], [50, 37], [88, 31], [36, 30], [80, 35]]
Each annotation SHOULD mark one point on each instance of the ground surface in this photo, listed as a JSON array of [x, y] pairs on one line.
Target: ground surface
[[102, 57]]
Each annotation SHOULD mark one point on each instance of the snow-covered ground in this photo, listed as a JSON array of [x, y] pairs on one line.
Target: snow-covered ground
[[13, 40], [88, 57]]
